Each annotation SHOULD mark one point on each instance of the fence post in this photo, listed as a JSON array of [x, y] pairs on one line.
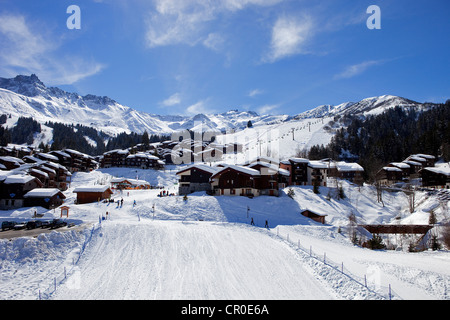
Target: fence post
[[365, 281], [390, 295], [342, 267], [324, 258]]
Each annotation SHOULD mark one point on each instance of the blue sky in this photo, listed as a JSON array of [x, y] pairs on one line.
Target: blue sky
[[204, 56]]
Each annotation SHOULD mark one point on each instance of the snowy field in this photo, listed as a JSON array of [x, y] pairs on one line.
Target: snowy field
[[205, 248]]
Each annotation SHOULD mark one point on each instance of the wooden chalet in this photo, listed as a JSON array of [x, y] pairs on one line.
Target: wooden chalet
[[195, 178], [114, 158], [129, 184], [92, 194], [143, 161], [317, 173], [318, 217], [389, 175], [298, 171], [436, 177], [48, 198], [10, 163], [13, 187], [233, 180]]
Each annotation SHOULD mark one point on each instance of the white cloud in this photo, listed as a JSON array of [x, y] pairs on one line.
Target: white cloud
[[186, 21], [172, 100], [199, 107], [267, 108], [357, 69], [289, 37], [214, 41], [24, 50], [254, 93]]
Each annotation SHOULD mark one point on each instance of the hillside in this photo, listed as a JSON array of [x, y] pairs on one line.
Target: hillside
[[27, 96], [205, 248]]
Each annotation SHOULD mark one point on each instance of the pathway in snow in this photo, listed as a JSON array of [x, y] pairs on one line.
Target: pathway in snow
[[189, 260]]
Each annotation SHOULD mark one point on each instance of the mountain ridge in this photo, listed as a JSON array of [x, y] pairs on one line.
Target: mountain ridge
[[28, 96]]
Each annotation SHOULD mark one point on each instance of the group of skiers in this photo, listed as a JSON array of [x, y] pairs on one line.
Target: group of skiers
[[266, 225]]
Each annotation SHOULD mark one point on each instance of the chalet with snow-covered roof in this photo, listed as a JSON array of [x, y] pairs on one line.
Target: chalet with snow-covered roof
[[48, 198], [233, 180], [92, 193], [317, 173], [129, 184], [114, 158], [318, 217], [425, 159], [436, 177], [404, 167], [389, 175], [350, 171], [143, 161], [13, 187], [272, 177], [195, 178], [298, 169], [10, 163]]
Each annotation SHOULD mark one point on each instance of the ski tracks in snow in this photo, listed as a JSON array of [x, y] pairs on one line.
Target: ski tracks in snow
[[191, 260]]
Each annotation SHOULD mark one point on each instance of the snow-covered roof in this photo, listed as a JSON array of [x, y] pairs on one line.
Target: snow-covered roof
[[242, 169], [97, 188], [135, 182], [284, 172], [203, 167], [413, 163], [315, 164], [16, 178], [440, 170], [426, 156], [61, 153], [401, 165], [42, 173], [48, 156], [142, 155], [348, 166], [11, 159], [118, 151], [299, 160], [43, 193], [392, 169]]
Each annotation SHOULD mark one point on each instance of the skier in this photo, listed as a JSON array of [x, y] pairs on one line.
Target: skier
[[266, 225], [252, 223]]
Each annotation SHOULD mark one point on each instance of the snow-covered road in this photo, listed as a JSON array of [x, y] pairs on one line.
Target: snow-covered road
[[189, 260]]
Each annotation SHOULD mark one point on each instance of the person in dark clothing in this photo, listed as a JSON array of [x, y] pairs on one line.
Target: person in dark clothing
[[266, 225], [252, 223]]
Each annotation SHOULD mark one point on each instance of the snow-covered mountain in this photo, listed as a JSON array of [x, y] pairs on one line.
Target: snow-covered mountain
[[28, 96], [368, 106]]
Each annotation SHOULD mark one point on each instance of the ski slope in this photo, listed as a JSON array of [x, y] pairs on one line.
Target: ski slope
[[190, 260], [205, 248]]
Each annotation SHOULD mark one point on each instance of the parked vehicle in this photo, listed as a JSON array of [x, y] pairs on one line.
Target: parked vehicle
[[7, 225], [45, 224], [34, 224], [57, 223], [20, 226]]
